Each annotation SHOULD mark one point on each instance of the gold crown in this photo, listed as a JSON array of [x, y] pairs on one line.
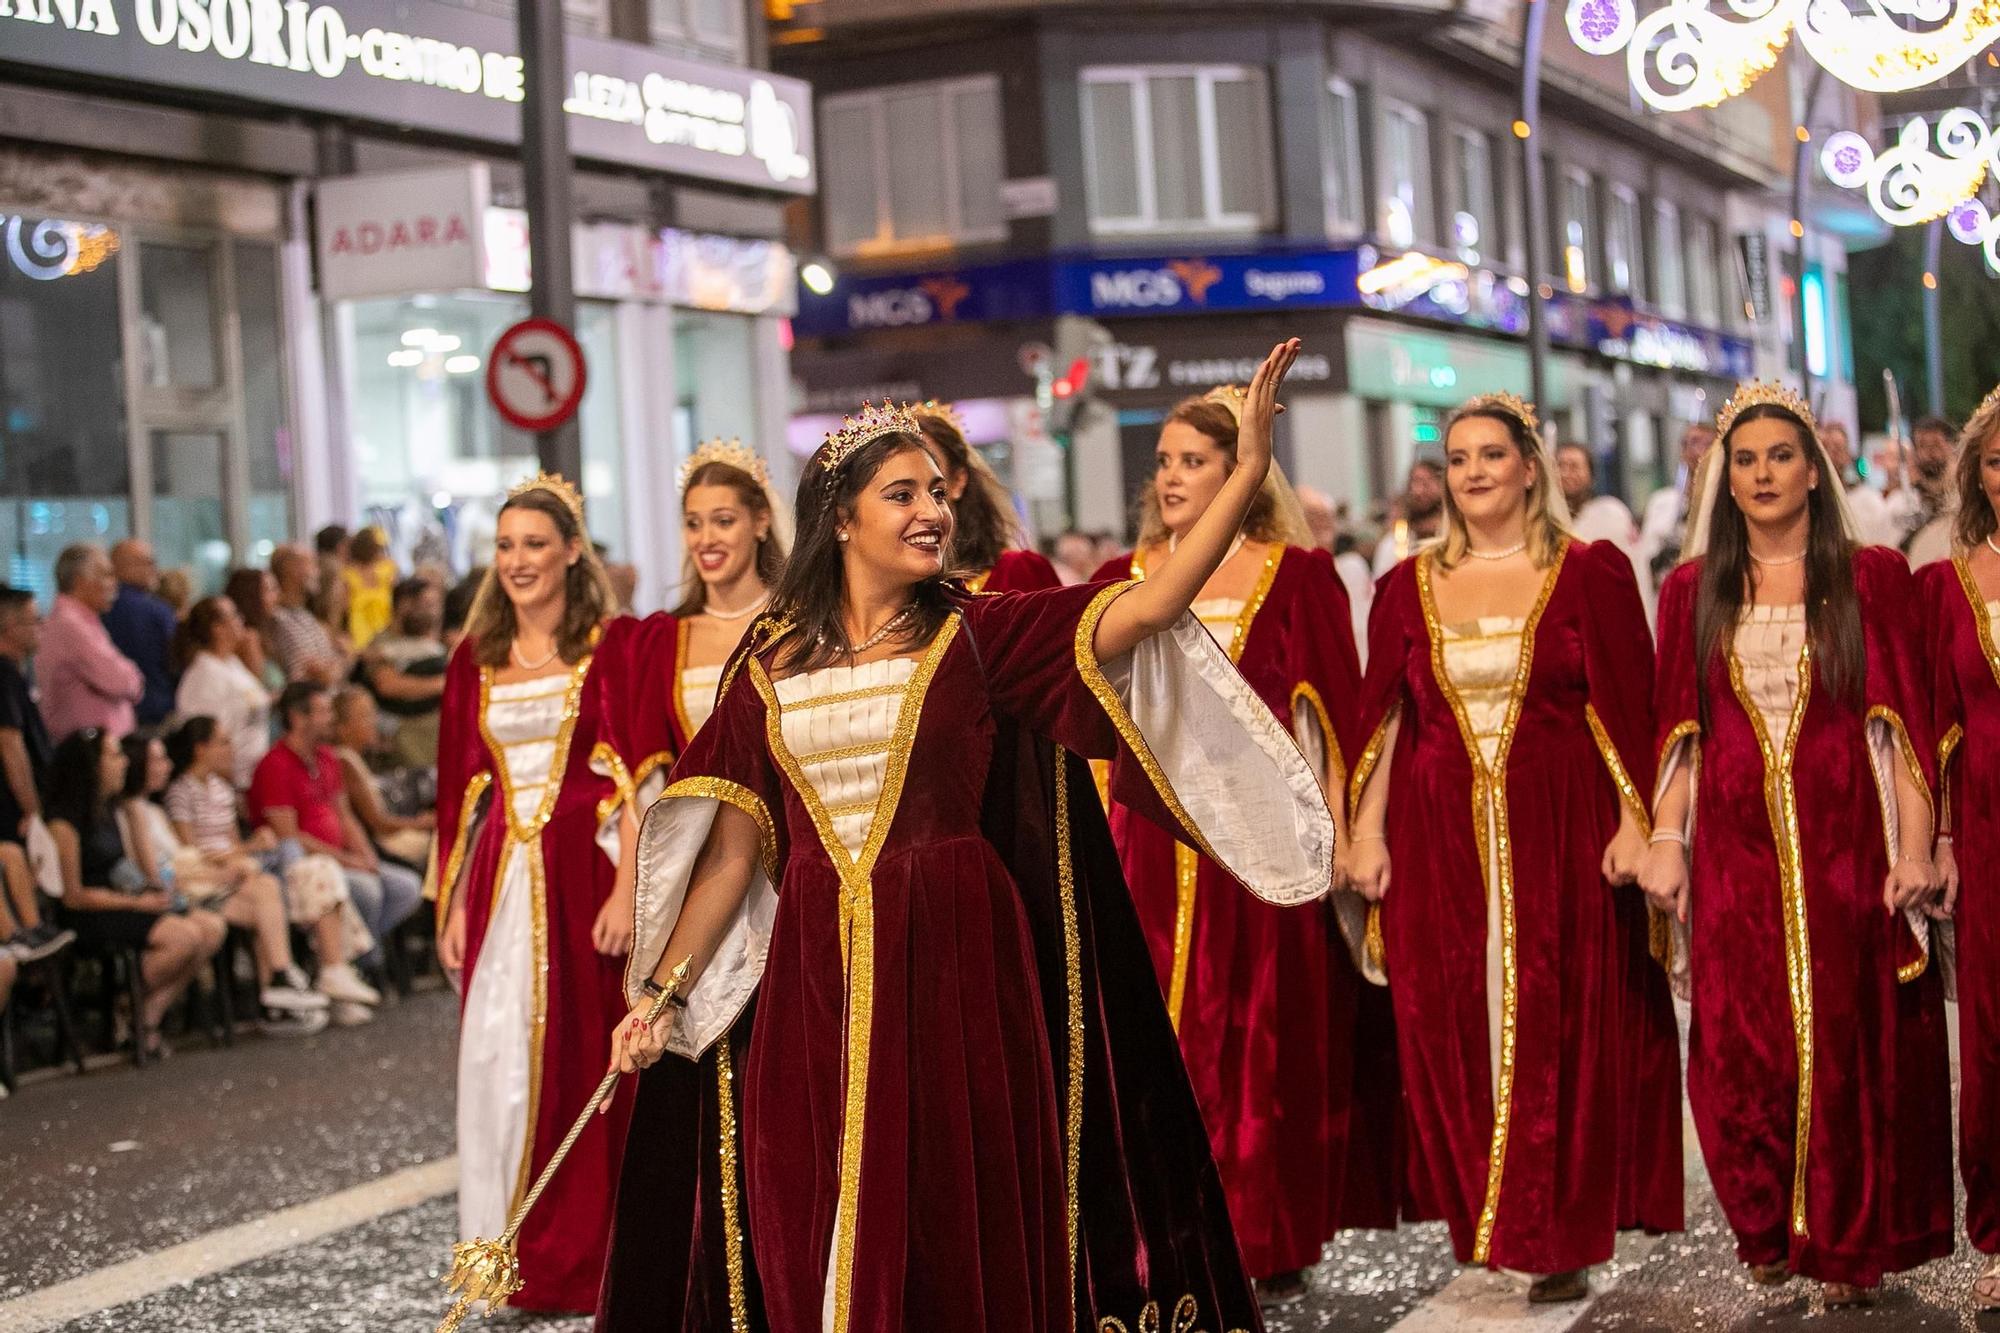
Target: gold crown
[[554, 484], [731, 452], [1758, 393], [1513, 404], [870, 423], [1989, 402], [943, 412], [1231, 397]]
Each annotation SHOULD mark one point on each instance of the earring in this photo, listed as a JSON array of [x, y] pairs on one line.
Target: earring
[[841, 536]]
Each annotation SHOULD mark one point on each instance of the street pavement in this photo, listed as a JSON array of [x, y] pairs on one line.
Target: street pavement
[[304, 1185]]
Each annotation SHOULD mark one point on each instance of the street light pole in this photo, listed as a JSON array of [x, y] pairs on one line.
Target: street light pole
[[1933, 319], [546, 177], [1799, 161], [1535, 206]]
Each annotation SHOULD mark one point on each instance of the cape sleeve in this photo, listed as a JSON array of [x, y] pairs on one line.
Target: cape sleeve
[[1899, 722], [614, 671], [1021, 571], [1207, 758], [1618, 670], [648, 708], [727, 762], [1939, 584], [1390, 642], [1677, 681], [464, 780]]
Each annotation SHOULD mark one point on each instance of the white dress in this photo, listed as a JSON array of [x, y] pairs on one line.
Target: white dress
[[1481, 658], [697, 690], [495, 1035], [223, 688]]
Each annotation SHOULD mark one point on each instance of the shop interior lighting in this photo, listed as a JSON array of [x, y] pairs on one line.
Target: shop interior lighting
[[1694, 53], [418, 337], [461, 365], [406, 357], [818, 276]]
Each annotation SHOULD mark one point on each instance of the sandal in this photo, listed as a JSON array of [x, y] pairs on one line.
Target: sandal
[[1559, 1288], [1986, 1287], [1771, 1275], [1845, 1295]]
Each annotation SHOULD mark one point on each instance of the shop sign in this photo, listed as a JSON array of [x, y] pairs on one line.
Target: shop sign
[[431, 66], [1613, 328], [403, 231], [616, 262], [1028, 197], [1192, 284], [1017, 289], [1143, 367]]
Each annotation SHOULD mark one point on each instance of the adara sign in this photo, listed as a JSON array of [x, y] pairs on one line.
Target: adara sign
[[432, 66]]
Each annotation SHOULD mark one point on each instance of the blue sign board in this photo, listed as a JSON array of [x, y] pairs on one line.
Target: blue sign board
[[1191, 284]]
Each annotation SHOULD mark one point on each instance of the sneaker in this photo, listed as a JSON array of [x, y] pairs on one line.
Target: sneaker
[[43, 941], [292, 1022], [348, 1015], [343, 983], [282, 995]]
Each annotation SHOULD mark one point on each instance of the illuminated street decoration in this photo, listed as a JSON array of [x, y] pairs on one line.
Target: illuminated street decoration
[[54, 248], [1918, 180], [1696, 53]]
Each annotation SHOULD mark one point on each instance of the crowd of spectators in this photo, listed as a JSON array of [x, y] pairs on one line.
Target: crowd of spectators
[[180, 769]]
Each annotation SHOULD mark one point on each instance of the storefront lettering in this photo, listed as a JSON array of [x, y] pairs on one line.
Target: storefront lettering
[[1132, 367], [1285, 284], [78, 15], [374, 238]]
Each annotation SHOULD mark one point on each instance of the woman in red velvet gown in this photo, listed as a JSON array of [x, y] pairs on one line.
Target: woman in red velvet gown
[[1796, 767], [534, 899], [736, 533], [1962, 612], [1289, 1048], [985, 533], [1505, 737], [961, 1106]]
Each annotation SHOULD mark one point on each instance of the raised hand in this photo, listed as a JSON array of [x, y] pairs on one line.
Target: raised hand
[[1261, 408]]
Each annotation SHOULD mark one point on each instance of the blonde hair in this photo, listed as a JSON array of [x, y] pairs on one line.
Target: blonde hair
[[1975, 521], [1275, 515], [1546, 530]]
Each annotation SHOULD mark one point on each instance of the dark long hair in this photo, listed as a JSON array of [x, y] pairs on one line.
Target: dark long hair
[[138, 747], [1833, 608], [185, 739], [74, 794], [196, 632], [587, 595], [810, 593], [770, 551], [983, 522], [246, 589]]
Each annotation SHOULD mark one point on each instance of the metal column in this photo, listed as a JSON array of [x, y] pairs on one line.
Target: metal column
[[546, 178]]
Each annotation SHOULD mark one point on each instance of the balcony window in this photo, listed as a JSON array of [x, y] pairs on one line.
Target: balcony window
[[912, 167], [1669, 264], [1704, 275], [1576, 251], [1621, 241], [1345, 210], [1154, 148], [1406, 216], [1475, 232]]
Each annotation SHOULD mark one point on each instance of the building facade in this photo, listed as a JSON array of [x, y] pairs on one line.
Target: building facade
[[1023, 199], [256, 254]]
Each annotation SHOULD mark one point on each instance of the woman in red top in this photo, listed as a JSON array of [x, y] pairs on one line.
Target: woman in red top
[[1962, 607], [1289, 1048]]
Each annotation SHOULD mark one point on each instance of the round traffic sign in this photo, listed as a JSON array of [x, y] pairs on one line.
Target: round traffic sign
[[535, 375]]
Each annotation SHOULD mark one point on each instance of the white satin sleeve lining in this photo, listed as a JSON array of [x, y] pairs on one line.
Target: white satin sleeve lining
[[669, 841], [1686, 750], [1350, 910], [1884, 753], [1258, 807]]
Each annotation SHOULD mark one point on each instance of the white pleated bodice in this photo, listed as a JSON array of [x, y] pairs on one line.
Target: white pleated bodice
[[838, 723], [1993, 629], [1768, 640], [697, 688], [1219, 615], [1481, 657], [525, 718]]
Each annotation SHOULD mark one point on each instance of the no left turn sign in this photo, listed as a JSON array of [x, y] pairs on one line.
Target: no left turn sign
[[535, 375]]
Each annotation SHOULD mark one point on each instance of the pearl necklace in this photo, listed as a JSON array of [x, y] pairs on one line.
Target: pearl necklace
[[714, 614], [514, 651], [1991, 547], [1779, 560], [888, 626], [1502, 554]]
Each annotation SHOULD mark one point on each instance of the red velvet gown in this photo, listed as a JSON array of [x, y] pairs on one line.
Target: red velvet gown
[[1016, 571], [1965, 689], [1290, 1051], [962, 1105], [578, 999], [1535, 1166], [1817, 1066]]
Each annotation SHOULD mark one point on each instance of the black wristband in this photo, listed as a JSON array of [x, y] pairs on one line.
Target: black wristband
[[652, 988]]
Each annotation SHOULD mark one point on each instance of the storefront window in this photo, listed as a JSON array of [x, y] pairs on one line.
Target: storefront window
[[64, 469], [267, 438], [716, 365], [434, 456], [177, 316], [190, 526]]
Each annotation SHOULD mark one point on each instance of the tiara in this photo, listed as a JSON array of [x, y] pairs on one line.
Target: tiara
[[870, 423], [1512, 404], [943, 412], [554, 484], [1231, 397], [1758, 393], [732, 453], [1988, 403]]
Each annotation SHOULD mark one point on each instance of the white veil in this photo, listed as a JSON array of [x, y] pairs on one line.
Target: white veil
[[1710, 480]]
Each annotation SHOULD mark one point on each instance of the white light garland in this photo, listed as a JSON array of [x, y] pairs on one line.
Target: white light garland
[[1915, 181]]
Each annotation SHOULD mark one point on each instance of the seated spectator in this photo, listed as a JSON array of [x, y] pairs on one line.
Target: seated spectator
[[106, 898], [215, 683], [304, 648], [370, 576], [85, 680], [298, 794], [404, 668], [25, 749], [407, 838], [229, 889], [24, 936], [143, 627], [176, 590], [330, 545], [201, 806], [255, 593]]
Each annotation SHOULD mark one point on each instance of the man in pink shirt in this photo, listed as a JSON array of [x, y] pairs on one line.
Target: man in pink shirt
[[84, 680]]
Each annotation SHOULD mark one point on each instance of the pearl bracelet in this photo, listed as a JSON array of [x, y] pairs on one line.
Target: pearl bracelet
[[1668, 835]]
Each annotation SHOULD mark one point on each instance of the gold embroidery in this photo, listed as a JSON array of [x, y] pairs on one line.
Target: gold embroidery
[[650, 765], [1364, 768], [680, 665], [977, 583], [850, 810], [1187, 873], [1186, 1311], [624, 790], [861, 751], [1265, 579], [1094, 679], [1781, 809], [1947, 746], [1911, 764], [1489, 801], [732, 1222], [538, 1030], [1336, 766], [1372, 942], [1614, 765], [525, 830], [857, 926], [1073, 1021], [846, 697], [447, 883], [1988, 648]]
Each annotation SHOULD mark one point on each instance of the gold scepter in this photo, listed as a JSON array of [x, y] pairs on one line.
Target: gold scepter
[[490, 1270]]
